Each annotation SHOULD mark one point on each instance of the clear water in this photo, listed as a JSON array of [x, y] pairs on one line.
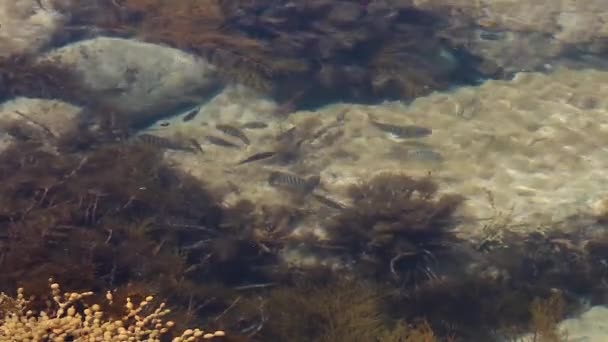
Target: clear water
[[309, 170]]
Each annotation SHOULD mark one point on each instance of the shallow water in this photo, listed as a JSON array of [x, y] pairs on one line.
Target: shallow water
[[307, 171]]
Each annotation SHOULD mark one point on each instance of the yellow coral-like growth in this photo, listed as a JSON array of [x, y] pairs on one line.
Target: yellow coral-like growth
[[65, 321], [546, 314]]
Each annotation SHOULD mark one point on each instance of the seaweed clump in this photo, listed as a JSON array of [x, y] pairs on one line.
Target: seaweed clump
[[69, 216], [338, 310], [306, 53], [199, 27], [118, 218], [397, 225], [503, 288], [25, 76], [546, 315]]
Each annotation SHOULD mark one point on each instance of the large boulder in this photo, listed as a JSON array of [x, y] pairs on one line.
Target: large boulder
[[142, 80]]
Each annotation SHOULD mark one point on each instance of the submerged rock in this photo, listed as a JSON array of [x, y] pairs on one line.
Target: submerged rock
[[141, 79], [41, 119], [533, 33], [27, 27], [591, 326]]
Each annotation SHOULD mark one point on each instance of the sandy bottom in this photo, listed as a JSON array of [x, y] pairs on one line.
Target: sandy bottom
[[534, 148]]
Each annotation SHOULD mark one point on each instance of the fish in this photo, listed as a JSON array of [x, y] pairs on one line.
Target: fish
[[293, 182], [258, 156], [328, 201], [220, 141], [491, 35], [254, 125], [196, 145], [424, 154], [191, 114], [323, 130], [161, 142], [405, 131], [288, 135], [233, 131], [289, 106]]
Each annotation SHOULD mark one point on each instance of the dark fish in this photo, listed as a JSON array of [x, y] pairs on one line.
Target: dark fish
[[191, 114], [257, 156], [255, 125], [196, 145], [293, 182], [288, 135], [289, 106], [328, 201], [220, 142], [233, 131], [491, 35], [181, 223], [407, 131]]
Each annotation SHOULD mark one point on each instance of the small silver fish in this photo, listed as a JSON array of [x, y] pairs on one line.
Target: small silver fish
[[257, 156], [491, 35], [160, 142], [233, 131], [424, 155], [293, 182], [254, 125], [405, 132], [328, 201], [220, 142]]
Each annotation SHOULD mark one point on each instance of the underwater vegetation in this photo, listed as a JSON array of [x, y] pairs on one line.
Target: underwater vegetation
[[71, 318], [100, 210], [397, 225], [24, 76], [115, 217], [304, 53], [342, 310]]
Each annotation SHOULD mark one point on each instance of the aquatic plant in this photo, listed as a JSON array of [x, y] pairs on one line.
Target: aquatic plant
[[491, 306], [25, 76], [69, 317], [503, 288], [396, 224], [546, 315], [303, 53], [339, 310], [94, 218], [198, 26], [397, 70]]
